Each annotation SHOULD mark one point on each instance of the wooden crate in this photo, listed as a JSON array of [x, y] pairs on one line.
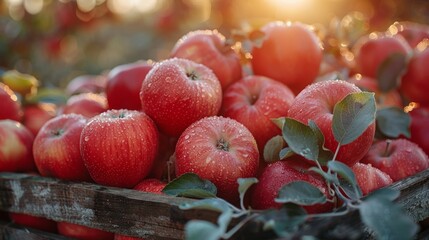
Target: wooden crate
[[158, 217]]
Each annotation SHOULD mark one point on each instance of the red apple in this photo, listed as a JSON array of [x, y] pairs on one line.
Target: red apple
[[415, 83], [316, 102], [391, 98], [373, 49], [16, 143], [9, 104], [82, 232], [254, 101], [218, 149], [276, 175], [290, 53], [56, 148], [210, 49], [36, 115], [119, 147], [400, 158], [413, 32], [148, 185], [124, 83], [178, 92], [86, 84], [35, 222], [86, 104], [420, 128], [370, 178]]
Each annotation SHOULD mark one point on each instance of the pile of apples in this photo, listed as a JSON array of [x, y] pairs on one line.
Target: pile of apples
[[208, 111]]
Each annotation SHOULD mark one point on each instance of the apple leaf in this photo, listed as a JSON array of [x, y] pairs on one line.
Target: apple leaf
[[279, 122], [347, 174], [214, 204], [301, 139], [387, 193], [283, 221], [387, 219], [300, 192], [243, 186], [393, 122], [202, 230], [272, 149], [325, 154], [190, 185], [285, 153], [352, 116], [390, 71]]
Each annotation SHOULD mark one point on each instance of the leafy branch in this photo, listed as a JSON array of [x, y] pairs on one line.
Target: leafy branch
[[378, 212]]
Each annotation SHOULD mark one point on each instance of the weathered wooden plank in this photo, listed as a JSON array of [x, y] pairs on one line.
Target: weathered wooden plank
[[158, 217], [112, 209]]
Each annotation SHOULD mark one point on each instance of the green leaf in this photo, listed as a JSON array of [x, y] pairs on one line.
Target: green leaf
[[285, 153], [352, 116], [301, 139], [190, 185], [387, 219], [327, 176], [283, 221], [393, 122], [214, 204], [279, 122], [350, 190], [386, 193], [272, 149], [243, 186], [325, 154], [300, 192], [202, 230], [347, 174], [390, 71]]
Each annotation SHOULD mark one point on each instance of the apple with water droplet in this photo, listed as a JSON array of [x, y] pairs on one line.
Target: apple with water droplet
[[9, 104], [124, 83], [419, 127], [276, 175], [218, 149], [86, 104], [373, 49], [254, 101], [415, 84], [36, 115], [16, 143], [370, 178], [119, 147], [400, 158], [316, 102], [210, 48], [290, 53], [178, 92], [56, 148]]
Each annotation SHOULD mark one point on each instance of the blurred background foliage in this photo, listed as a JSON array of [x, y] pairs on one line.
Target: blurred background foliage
[[57, 40]]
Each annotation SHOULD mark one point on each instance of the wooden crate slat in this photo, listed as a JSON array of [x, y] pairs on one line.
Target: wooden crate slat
[[158, 216]]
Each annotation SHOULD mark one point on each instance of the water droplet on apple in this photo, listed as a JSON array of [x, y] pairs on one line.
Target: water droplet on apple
[[150, 84], [245, 155], [186, 137], [86, 139]]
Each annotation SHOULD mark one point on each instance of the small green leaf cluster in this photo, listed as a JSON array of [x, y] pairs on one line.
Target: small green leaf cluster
[[351, 117]]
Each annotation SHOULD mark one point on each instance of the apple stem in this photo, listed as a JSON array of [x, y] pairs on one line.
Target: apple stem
[[192, 75], [386, 150], [222, 145]]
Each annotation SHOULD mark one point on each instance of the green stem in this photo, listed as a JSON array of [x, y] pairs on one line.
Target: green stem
[[237, 227]]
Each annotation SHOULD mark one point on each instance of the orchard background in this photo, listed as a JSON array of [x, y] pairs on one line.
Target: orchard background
[[57, 40]]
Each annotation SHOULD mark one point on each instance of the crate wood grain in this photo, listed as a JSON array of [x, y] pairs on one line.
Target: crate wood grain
[[154, 216]]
